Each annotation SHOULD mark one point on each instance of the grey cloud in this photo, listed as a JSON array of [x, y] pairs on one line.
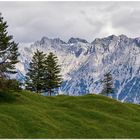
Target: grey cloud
[[127, 20], [29, 21]]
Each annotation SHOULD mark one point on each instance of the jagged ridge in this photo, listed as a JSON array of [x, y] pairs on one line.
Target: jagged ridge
[[84, 63]]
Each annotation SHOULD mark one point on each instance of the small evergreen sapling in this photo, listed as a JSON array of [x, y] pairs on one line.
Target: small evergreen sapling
[[107, 84]]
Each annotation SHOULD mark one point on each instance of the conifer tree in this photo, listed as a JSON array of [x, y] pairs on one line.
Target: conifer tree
[[53, 77], [8, 51], [107, 84], [35, 75]]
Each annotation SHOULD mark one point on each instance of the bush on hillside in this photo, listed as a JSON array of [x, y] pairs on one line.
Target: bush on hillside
[[10, 84]]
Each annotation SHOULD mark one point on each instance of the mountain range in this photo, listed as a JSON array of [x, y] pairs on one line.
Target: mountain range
[[83, 64]]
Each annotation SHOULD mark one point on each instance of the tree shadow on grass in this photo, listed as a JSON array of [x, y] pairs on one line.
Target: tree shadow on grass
[[8, 96]]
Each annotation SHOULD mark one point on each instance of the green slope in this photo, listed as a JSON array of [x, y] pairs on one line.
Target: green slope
[[28, 115]]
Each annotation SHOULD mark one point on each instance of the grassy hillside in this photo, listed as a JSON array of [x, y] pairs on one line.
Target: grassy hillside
[[27, 115]]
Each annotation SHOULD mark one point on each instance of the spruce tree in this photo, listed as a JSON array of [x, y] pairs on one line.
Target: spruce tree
[[107, 84], [53, 77], [35, 75], [8, 51]]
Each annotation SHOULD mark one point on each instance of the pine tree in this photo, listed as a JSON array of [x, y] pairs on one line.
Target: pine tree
[[8, 51], [53, 77], [35, 75], [107, 84]]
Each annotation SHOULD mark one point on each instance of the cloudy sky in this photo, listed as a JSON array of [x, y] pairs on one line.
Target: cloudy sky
[[30, 21]]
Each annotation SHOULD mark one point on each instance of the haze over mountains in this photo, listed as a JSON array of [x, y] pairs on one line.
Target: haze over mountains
[[83, 64]]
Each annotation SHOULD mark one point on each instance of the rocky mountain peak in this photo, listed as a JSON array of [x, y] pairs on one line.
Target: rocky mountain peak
[[76, 40], [84, 64]]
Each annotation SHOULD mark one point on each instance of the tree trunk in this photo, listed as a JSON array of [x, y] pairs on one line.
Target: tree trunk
[[49, 92]]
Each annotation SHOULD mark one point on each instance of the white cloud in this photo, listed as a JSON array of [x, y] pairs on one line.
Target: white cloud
[[29, 21]]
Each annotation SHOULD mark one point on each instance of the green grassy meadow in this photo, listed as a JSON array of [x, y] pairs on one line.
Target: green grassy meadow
[[28, 115]]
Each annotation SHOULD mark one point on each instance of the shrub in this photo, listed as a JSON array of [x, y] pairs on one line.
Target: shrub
[[10, 84]]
